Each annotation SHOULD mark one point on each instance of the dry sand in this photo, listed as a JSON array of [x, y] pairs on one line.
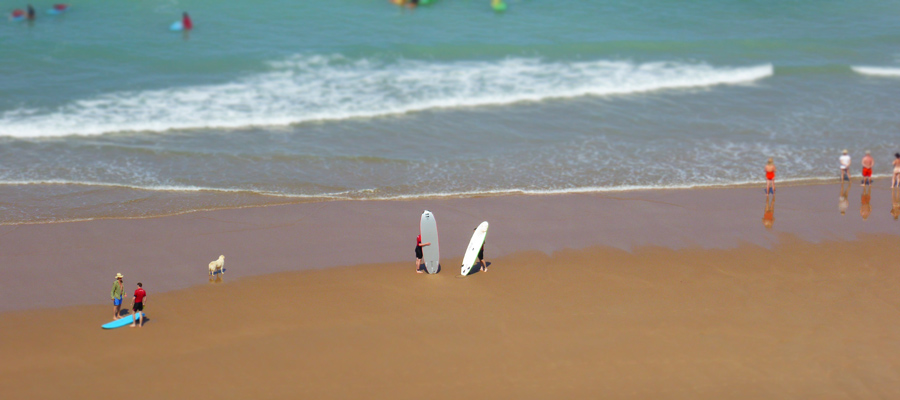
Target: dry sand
[[656, 295]]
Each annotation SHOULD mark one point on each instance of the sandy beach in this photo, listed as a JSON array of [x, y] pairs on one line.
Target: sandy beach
[[678, 294]]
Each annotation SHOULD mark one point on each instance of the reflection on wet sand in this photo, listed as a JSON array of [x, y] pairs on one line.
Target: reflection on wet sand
[[844, 200], [865, 207], [895, 203], [217, 279], [769, 215]]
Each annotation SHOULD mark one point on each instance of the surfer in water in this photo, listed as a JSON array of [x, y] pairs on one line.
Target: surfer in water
[[419, 255], [30, 12], [186, 22]]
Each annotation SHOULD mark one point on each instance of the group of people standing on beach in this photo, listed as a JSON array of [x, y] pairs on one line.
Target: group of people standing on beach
[[867, 163], [420, 256], [137, 302]]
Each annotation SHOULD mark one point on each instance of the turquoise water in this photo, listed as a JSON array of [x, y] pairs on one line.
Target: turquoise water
[[106, 113]]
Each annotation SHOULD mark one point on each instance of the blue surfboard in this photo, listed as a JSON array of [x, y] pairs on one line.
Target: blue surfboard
[[123, 321], [176, 26]]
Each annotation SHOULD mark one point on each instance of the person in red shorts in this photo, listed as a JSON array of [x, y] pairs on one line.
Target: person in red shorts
[[867, 163], [137, 304]]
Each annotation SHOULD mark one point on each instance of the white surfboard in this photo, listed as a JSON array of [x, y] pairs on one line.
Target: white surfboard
[[431, 255], [474, 247]]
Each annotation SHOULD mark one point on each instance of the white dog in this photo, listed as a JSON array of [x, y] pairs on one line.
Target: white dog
[[218, 265]]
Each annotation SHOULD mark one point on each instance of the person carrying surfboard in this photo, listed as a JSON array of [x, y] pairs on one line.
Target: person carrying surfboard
[[419, 255], [137, 304], [117, 293], [481, 258]]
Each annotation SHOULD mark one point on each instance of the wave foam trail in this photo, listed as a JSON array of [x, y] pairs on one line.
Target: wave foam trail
[[308, 88], [877, 71]]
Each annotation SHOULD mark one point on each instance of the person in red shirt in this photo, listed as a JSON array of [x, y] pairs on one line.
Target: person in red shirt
[[419, 255], [137, 304], [186, 22]]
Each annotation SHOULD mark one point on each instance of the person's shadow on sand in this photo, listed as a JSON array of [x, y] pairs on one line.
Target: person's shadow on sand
[[476, 270], [422, 268], [127, 314]]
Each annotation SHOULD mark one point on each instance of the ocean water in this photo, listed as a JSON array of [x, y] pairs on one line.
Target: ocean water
[[106, 113]]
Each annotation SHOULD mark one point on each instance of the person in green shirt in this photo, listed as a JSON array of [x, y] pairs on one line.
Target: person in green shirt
[[117, 293]]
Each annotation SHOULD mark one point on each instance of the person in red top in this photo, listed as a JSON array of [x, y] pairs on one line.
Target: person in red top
[[770, 177], [137, 304], [186, 23], [419, 255]]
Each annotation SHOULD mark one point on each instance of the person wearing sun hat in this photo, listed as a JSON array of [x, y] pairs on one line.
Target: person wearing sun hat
[[845, 165], [117, 293]]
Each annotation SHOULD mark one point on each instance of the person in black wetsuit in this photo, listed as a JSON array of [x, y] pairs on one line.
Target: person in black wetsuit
[[481, 259], [30, 13], [419, 255]]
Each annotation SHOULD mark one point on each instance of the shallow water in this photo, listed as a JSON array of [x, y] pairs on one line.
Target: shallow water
[[105, 113]]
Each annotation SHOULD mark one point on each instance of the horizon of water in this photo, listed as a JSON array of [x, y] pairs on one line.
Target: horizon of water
[[105, 113]]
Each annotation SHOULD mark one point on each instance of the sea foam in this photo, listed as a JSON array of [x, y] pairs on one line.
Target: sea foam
[[310, 88], [877, 71]]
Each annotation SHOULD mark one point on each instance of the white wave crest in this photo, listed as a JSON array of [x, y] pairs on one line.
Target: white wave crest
[[173, 188], [877, 71], [309, 88]]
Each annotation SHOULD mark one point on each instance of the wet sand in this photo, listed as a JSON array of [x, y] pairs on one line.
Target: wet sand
[[657, 294], [78, 259]]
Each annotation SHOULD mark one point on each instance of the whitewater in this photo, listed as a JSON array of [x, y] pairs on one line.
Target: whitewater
[[316, 88]]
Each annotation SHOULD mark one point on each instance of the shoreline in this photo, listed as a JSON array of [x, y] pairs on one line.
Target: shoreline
[[170, 253], [291, 199]]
